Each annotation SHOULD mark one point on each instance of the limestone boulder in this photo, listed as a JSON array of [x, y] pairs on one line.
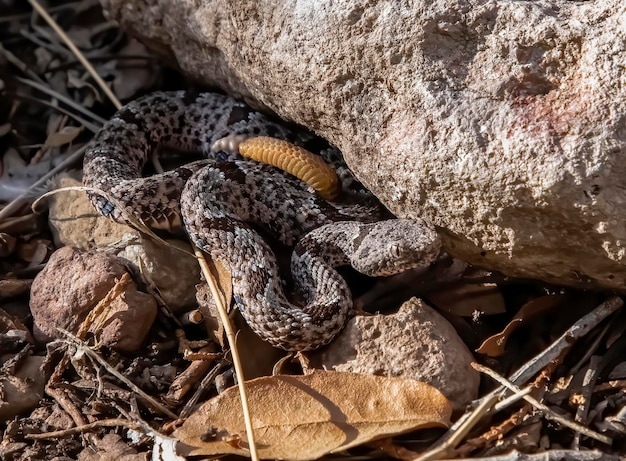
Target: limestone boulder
[[503, 123]]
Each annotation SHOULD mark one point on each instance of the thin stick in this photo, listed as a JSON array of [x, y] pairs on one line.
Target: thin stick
[[543, 408], [147, 398], [459, 430], [42, 12], [62, 98], [230, 336], [551, 354], [85, 428], [23, 198]]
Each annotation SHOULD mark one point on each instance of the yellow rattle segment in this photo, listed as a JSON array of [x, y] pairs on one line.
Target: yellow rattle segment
[[294, 160]]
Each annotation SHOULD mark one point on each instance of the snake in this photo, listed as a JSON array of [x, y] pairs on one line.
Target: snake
[[230, 206]]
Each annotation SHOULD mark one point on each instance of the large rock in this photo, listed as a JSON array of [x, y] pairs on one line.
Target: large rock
[[503, 123], [416, 342], [73, 282]]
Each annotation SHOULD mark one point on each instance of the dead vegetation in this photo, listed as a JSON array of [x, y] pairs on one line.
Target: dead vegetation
[[562, 350]]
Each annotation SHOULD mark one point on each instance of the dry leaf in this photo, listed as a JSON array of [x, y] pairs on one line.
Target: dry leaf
[[12, 328], [21, 390], [465, 300], [494, 345], [5, 129], [64, 136], [10, 288], [34, 251], [305, 417]]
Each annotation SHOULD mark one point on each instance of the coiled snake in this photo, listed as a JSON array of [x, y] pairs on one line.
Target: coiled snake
[[220, 199]]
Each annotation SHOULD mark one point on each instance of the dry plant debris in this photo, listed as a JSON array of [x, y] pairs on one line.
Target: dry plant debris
[[562, 350], [318, 413]]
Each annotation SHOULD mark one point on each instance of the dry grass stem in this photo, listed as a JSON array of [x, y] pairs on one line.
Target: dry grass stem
[[147, 398], [543, 408], [222, 308], [15, 205], [67, 101], [103, 86], [86, 428]]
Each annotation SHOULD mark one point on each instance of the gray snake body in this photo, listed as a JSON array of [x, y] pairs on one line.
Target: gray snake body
[[218, 200]]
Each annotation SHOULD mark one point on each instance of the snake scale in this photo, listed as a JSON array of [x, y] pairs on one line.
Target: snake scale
[[223, 200]]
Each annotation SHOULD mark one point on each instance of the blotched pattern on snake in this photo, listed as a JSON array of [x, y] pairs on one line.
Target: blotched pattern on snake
[[223, 200]]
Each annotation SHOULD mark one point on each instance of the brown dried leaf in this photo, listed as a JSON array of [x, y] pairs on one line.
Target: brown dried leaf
[[305, 417], [494, 346], [7, 244], [465, 300], [34, 251], [64, 136], [13, 326], [14, 287]]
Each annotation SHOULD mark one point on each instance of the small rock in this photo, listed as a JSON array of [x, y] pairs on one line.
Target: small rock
[[416, 342], [72, 283], [173, 272], [129, 320], [76, 223]]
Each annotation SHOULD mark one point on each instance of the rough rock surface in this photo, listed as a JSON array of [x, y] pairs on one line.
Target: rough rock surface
[[501, 122], [75, 222], [72, 283], [416, 342]]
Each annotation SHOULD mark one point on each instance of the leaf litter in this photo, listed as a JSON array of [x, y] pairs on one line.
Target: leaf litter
[[305, 417], [50, 105]]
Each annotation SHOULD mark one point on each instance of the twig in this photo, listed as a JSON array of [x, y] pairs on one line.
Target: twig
[[59, 394], [579, 329], [85, 428], [230, 336], [149, 399], [543, 408], [64, 99], [23, 198], [204, 385], [551, 455], [512, 399], [591, 349], [589, 379], [42, 12]]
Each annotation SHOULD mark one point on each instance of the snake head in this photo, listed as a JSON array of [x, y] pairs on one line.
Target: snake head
[[394, 246]]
